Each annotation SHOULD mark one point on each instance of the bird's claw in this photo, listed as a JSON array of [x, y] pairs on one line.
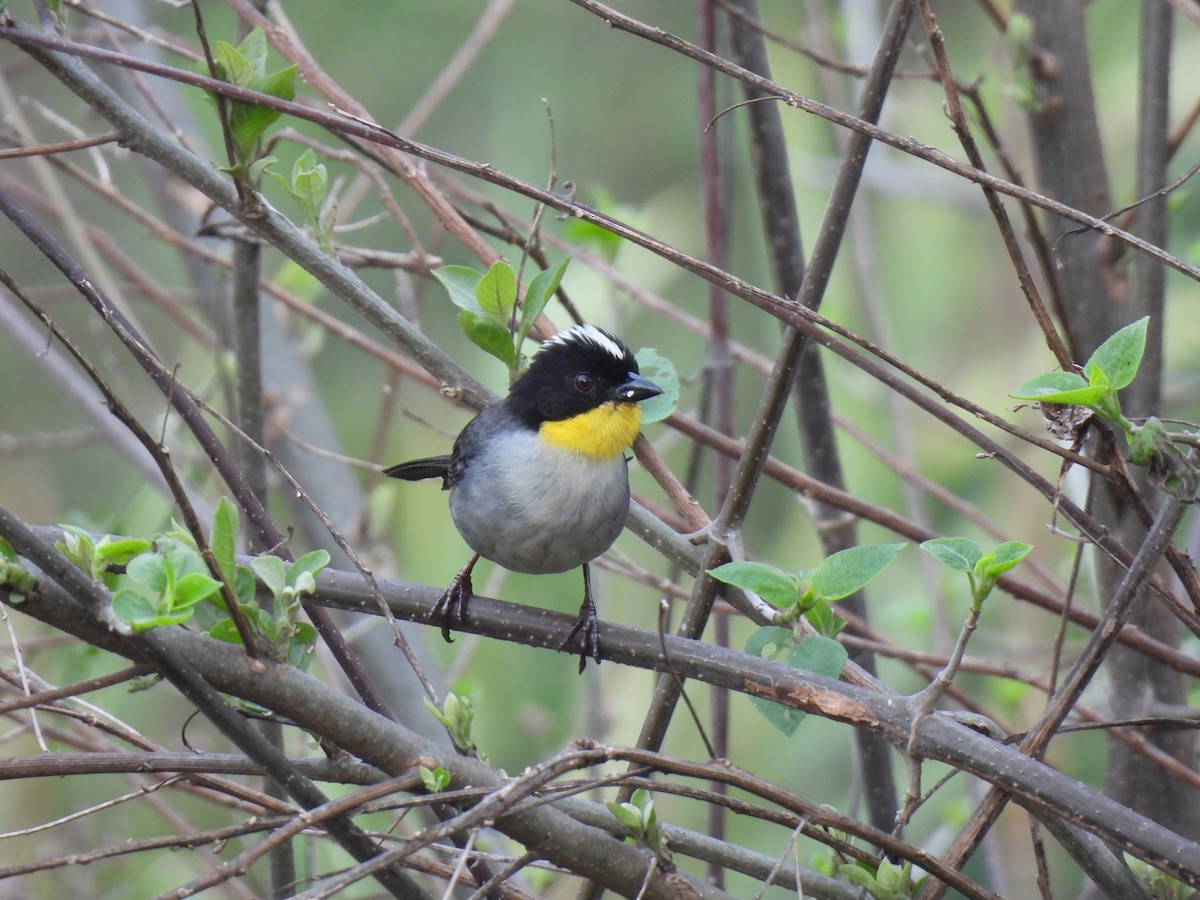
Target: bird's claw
[[588, 629], [451, 607]]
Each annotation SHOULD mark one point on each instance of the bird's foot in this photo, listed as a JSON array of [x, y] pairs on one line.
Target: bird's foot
[[451, 607], [587, 627]]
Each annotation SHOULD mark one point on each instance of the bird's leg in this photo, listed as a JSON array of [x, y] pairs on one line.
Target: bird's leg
[[586, 625], [451, 607]]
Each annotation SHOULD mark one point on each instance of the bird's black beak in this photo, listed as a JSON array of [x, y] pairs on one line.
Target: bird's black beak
[[637, 388]]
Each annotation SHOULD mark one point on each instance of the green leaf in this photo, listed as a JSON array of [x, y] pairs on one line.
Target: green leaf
[[119, 552], [628, 815], [819, 654], [1120, 355], [248, 123], [1000, 560], [309, 187], [281, 84], [541, 289], [893, 878], [456, 716], [307, 565], [182, 556], [435, 780], [1059, 387], [134, 610], [152, 570], [244, 586], [957, 553], [77, 546], [856, 874], [785, 718], [662, 372], [300, 647], [771, 584], [490, 336], [192, 588], [844, 572], [823, 619], [253, 50], [223, 538], [767, 636], [272, 571], [7, 551], [226, 631], [496, 293], [460, 283], [233, 66]]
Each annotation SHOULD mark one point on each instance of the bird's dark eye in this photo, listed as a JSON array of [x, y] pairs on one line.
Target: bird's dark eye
[[584, 383]]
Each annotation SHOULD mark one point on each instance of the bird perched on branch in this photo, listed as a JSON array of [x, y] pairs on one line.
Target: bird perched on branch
[[538, 482]]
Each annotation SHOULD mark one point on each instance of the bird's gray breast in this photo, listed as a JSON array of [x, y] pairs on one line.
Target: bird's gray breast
[[535, 508]]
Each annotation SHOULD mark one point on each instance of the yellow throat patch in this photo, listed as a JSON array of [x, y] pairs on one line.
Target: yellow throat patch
[[601, 433]]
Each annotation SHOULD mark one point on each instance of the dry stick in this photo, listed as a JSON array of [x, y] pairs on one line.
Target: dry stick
[[61, 147], [346, 805], [717, 378], [785, 310], [71, 690], [140, 133], [1054, 341]]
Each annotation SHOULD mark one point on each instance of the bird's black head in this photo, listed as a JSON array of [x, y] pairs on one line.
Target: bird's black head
[[577, 370]]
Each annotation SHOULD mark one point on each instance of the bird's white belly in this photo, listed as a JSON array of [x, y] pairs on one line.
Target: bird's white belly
[[550, 517]]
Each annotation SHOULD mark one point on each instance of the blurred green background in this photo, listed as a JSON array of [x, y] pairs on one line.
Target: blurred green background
[[923, 273]]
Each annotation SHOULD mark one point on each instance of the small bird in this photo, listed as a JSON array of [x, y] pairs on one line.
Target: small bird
[[539, 482]]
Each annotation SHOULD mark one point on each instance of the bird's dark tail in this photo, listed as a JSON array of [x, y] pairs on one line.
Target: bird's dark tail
[[420, 469]]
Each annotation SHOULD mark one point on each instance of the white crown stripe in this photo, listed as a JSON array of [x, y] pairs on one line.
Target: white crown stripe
[[591, 334]]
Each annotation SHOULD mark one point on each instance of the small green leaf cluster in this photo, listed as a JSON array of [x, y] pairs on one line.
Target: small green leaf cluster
[[309, 187], [884, 880], [640, 819], [154, 583], [13, 576], [456, 716], [246, 66], [1111, 368], [435, 780], [162, 585], [288, 585], [811, 595], [165, 581], [983, 570], [487, 303]]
